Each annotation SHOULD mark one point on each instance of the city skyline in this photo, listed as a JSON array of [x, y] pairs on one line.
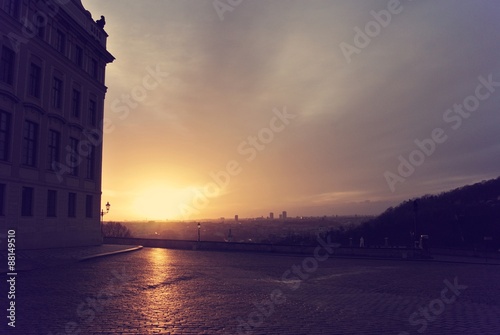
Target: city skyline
[[317, 108]]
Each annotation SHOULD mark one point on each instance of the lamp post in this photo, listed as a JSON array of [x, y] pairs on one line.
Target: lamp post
[[415, 209], [199, 228], [102, 217]]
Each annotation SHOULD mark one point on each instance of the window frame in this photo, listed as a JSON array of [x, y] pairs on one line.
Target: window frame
[[7, 65], [30, 143], [60, 42], [3, 190], [74, 166], [72, 204], [27, 201], [12, 7], [91, 162], [92, 115], [89, 206], [35, 79], [76, 103], [57, 92], [54, 149], [51, 203], [5, 135]]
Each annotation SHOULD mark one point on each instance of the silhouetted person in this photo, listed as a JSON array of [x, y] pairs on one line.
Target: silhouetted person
[[102, 22], [361, 242]]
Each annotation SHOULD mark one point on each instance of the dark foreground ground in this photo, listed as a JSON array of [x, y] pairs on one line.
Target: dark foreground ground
[[160, 291]]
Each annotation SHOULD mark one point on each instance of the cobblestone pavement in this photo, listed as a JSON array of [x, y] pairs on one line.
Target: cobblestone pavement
[[160, 291]]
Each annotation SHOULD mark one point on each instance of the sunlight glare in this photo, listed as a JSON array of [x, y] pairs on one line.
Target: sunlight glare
[[160, 202]]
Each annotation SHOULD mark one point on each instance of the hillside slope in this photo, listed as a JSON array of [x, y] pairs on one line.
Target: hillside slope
[[460, 218]]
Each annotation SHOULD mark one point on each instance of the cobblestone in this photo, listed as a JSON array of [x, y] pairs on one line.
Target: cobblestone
[[159, 291]]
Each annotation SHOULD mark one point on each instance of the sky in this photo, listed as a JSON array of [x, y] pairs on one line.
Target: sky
[[314, 107]]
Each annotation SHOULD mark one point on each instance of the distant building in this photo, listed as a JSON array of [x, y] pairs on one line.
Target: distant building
[[52, 69], [236, 218], [271, 216], [284, 215]]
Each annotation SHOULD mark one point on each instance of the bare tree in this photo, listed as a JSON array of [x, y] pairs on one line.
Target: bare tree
[[115, 229]]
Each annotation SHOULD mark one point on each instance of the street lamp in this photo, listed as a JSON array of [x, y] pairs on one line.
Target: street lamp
[[415, 209], [199, 228], [102, 217]]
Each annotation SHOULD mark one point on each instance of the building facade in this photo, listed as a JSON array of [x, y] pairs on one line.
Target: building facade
[[52, 69]]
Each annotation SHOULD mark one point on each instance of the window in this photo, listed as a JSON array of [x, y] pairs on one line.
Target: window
[[60, 41], [7, 66], [54, 149], [91, 163], [5, 127], [89, 206], [2, 199], [92, 112], [57, 85], [34, 80], [93, 68], [51, 203], [27, 201], [71, 204], [12, 7], [41, 22], [30, 142], [74, 160], [79, 56], [75, 104]]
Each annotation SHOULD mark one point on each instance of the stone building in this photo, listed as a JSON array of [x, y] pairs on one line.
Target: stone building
[[52, 69]]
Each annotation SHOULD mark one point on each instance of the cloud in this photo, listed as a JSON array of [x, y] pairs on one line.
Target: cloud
[[355, 119]]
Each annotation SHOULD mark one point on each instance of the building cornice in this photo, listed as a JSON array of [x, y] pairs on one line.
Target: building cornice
[[35, 108], [56, 117], [83, 18], [76, 125], [9, 95]]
